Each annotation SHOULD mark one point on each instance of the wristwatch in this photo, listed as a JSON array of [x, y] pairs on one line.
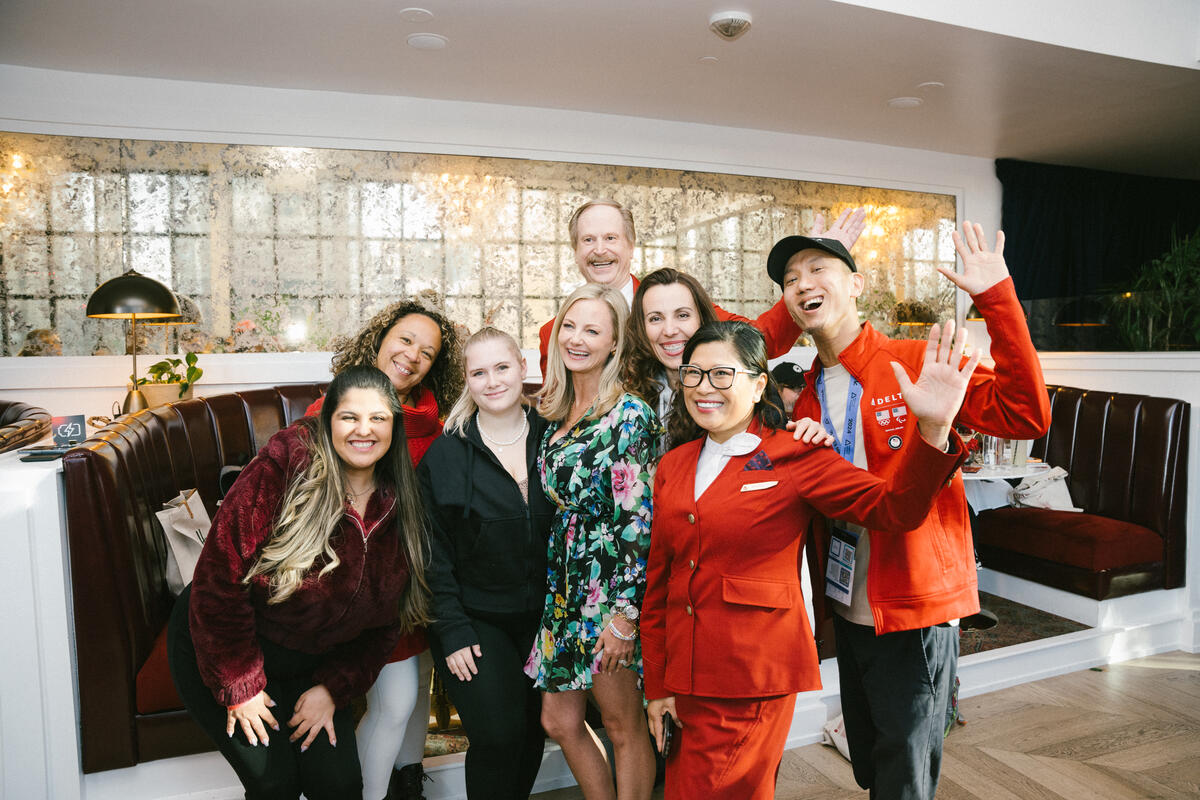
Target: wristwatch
[[629, 612]]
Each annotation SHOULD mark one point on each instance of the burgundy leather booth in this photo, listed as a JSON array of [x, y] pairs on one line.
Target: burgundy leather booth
[[21, 424], [115, 482], [1127, 458]]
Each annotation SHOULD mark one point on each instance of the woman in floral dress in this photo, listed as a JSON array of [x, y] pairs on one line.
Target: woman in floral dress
[[597, 465]]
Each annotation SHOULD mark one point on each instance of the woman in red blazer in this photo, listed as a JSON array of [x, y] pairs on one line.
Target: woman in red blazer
[[726, 641]]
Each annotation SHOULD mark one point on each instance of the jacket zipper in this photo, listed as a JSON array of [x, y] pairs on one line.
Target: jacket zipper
[[366, 546]]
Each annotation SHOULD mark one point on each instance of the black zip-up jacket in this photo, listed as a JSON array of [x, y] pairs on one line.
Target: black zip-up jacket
[[488, 549]]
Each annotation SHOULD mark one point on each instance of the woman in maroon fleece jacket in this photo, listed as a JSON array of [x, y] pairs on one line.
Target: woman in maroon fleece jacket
[[312, 571]]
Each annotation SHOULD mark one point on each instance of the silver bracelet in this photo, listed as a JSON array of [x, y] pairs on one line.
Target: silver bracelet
[[620, 635]]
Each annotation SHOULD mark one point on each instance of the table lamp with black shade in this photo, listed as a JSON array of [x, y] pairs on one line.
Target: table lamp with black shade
[[133, 296]]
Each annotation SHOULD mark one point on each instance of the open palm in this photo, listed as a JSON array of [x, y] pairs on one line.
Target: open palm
[[940, 388], [982, 268]]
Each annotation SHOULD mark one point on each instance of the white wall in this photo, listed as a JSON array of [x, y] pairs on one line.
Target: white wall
[[84, 104]]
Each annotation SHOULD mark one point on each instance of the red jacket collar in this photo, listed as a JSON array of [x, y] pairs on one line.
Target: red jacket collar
[[856, 355]]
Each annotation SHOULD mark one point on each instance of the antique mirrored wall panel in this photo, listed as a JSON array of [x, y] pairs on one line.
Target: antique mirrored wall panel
[[285, 248]]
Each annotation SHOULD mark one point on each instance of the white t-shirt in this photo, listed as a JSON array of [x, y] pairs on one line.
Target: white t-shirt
[[837, 387]]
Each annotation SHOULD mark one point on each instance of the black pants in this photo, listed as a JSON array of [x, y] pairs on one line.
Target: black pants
[[499, 708], [895, 695], [278, 769]]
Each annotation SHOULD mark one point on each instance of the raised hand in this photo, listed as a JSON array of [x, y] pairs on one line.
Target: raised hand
[[938, 393], [982, 268], [846, 228]]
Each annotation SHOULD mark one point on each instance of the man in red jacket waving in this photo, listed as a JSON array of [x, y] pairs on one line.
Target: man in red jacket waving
[[897, 595]]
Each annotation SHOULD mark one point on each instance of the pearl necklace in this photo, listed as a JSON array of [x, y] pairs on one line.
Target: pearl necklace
[[501, 445]]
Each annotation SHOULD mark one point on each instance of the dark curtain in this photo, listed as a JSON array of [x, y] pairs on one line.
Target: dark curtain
[[1071, 232]]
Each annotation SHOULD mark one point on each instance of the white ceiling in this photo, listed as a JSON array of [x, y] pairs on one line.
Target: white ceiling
[[812, 67]]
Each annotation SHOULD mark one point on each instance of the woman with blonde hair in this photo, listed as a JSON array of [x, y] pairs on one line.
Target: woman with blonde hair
[[312, 571], [597, 466], [417, 348], [489, 523]]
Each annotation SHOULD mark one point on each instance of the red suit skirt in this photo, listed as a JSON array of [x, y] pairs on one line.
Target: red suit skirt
[[728, 747]]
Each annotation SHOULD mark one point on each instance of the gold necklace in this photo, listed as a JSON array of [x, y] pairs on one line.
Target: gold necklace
[[352, 495]]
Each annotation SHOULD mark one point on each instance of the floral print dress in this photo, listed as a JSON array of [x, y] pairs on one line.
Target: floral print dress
[[599, 474]]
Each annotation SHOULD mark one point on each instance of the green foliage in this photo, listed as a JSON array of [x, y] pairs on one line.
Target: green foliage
[[1162, 312], [168, 371]]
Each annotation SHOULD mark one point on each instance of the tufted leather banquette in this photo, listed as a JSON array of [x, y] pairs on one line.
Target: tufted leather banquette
[[115, 482], [1127, 458], [21, 424]]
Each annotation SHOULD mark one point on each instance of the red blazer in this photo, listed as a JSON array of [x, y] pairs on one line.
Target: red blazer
[[776, 324], [723, 614], [928, 576]]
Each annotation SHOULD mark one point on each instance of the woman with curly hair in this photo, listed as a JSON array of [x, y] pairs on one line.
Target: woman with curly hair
[[418, 349]]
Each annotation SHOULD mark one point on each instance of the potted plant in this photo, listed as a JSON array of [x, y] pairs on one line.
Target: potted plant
[[170, 379], [1162, 309]]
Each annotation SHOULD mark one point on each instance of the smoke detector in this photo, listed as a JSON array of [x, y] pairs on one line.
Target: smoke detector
[[729, 25]]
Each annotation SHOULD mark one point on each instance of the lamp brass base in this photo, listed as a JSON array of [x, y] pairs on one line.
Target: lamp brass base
[[134, 401]]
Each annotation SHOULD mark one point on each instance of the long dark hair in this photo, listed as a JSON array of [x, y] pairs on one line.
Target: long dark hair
[[751, 349], [314, 502], [641, 368]]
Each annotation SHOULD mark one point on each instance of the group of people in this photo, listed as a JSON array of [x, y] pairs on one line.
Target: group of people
[[631, 535]]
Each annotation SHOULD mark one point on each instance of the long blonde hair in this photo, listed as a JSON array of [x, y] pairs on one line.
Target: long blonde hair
[[558, 393], [465, 406], [315, 502]]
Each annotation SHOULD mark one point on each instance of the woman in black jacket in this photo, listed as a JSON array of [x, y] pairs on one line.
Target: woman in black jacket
[[489, 520]]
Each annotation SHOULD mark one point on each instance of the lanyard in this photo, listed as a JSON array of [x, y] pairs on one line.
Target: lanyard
[[843, 446]]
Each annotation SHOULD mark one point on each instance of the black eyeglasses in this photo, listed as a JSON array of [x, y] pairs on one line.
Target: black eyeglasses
[[718, 377]]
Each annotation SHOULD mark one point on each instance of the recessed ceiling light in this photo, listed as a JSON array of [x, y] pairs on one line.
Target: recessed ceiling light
[[905, 102], [427, 41], [708, 59], [929, 86], [416, 14]]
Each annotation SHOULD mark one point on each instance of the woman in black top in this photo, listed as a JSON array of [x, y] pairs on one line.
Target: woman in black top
[[489, 520]]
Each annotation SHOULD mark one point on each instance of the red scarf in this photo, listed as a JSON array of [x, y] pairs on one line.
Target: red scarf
[[421, 423]]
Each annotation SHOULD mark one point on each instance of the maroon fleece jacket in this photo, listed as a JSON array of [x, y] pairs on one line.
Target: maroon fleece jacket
[[349, 615]]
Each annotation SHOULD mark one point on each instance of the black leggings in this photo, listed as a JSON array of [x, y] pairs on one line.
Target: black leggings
[[499, 708], [278, 769]]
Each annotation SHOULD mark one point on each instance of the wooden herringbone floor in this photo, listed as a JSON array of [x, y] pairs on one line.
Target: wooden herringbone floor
[[1130, 731]]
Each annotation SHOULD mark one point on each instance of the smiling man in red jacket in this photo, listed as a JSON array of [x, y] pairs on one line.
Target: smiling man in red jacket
[[897, 597], [603, 235]]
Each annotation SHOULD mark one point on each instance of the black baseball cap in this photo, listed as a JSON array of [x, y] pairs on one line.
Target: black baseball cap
[[789, 374], [788, 246]]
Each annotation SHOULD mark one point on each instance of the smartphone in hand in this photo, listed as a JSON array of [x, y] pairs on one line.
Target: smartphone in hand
[[668, 734]]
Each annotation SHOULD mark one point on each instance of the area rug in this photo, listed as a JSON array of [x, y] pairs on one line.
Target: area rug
[[1018, 624]]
